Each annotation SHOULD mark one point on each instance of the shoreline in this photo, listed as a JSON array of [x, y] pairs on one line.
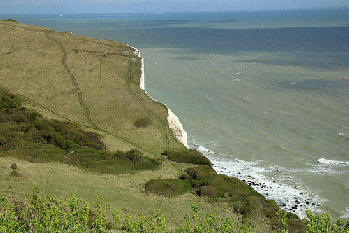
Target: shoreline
[[297, 201], [173, 121], [294, 199]]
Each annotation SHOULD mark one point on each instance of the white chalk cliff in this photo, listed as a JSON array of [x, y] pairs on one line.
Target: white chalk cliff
[[173, 121]]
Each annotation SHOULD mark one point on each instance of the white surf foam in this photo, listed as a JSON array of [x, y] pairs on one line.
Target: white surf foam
[[284, 190], [345, 213], [173, 121], [333, 162]]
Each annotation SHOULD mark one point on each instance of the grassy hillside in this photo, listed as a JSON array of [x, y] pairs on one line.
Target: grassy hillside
[[94, 83], [73, 121]]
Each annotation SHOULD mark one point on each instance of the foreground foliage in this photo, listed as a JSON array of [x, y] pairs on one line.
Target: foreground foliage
[[39, 213]]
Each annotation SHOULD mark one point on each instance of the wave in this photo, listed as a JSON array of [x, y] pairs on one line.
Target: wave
[[345, 213], [333, 162], [288, 195]]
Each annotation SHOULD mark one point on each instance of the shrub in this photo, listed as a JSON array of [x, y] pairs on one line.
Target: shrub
[[120, 155], [106, 162], [15, 174], [134, 155], [11, 20], [67, 135], [322, 223], [14, 166], [185, 176], [187, 156], [235, 188], [201, 175], [9, 100], [201, 172], [3, 140], [208, 191], [168, 187], [8, 139], [15, 116], [142, 122]]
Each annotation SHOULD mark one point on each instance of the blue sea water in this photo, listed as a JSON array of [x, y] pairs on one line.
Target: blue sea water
[[264, 94]]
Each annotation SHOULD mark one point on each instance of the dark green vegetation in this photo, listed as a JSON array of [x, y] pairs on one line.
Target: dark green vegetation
[[142, 122], [11, 20], [168, 187], [187, 156], [37, 139], [241, 198]]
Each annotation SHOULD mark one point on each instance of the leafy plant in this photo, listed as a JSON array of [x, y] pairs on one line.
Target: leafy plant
[[322, 224]]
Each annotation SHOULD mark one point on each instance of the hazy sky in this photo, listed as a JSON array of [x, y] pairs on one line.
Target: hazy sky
[[130, 6]]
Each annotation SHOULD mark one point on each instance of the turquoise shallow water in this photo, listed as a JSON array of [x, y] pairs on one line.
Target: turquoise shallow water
[[264, 94]]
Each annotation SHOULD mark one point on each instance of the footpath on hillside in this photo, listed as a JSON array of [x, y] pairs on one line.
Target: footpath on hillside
[[93, 82]]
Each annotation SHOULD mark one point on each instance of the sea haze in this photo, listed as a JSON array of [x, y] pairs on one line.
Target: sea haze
[[264, 95]]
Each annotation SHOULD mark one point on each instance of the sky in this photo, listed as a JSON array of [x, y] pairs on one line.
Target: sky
[[156, 6]]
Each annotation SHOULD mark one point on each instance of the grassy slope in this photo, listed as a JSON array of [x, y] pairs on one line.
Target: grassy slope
[[71, 78], [95, 83], [84, 80]]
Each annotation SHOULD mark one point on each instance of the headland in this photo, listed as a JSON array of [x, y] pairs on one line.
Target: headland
[[138, 157]]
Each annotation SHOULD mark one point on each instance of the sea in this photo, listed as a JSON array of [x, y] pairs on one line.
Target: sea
[[263, 94]]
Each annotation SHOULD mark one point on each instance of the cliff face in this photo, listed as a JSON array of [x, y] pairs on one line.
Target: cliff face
[[177, 128], [173, 121], [96, 83]]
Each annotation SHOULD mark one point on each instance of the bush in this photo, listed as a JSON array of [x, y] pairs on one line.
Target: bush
[[9, 100], [15, 174], [8, 139], [233, 187], [106, 162], [67, 135], [11, 20], [201, 175], [168, 187], [142, 122], [14, 166], [17, 116], [201, 172], [322, 223], [120, 155], [187, 156], [135, 156], [241, 197], [208, 191]]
